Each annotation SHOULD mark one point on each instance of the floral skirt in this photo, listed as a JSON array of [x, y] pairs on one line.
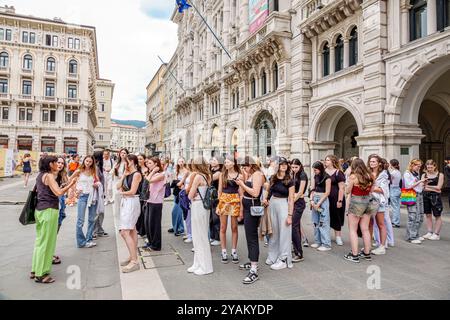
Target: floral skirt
[[229, 204]]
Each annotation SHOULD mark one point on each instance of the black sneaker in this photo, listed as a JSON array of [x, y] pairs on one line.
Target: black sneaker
[[224, 258], [351, 257], [235, 258], [297, 259], [245, 266], [171, 230], [250, 278], [365, 256], [395, 225]]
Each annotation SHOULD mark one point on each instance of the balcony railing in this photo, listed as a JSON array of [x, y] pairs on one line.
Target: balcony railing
[[51, 99], [5, 96], [25, 96], [311, 6], [73, 75], [50, 74], [4, 69]]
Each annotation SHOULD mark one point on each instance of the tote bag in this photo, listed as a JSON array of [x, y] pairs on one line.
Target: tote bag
[[408, 197], [27, 214]]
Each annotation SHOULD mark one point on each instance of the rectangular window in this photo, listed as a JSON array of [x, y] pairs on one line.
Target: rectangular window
[[75, 117], [72, 93], [45, 115], [3, 85], [103, 107], [52, 115], [26, 88], [29, 114], [77, 44], [22, 114], [100, 136], [49, 89], [48, 40], [25, 38], [404, 151], [102, 93], [8, 35], [68, 117], [5, 113], [70, 44], [32, 38], [55, 41], [2, 34]]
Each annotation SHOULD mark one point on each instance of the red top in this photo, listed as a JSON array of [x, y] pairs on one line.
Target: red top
[[357, 191]]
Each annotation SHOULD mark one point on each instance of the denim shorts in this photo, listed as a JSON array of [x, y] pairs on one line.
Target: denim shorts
[[361, 205]]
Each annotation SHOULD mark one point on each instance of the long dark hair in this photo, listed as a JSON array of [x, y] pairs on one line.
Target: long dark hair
[[297, 162], [380, 163], [322, 176], [98, 156], [62, 175], [119, 161], [287, 176], [44, 164], [132, 157], [158, 163], [362, 174], [93, 170], [395, 164], [225, 170]]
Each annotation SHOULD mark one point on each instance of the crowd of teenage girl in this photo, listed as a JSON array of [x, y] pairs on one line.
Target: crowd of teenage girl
[[269, 200]]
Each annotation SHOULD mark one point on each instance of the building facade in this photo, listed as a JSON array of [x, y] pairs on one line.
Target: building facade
[[307, 78], [48, 73], [103, 132], [155, 112], [129, 137]]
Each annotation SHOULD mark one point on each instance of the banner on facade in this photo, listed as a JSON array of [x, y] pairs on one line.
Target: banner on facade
[[258, 12]]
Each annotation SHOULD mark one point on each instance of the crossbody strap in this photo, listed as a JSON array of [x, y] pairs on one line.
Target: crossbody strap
[[207, 184]]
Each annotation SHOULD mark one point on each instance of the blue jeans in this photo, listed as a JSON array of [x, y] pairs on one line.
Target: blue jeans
[[321, 221], [395, 193], [62, 209], [177, 218], [82, 204]]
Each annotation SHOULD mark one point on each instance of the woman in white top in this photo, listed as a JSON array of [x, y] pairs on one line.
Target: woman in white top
[[119, 170], [87, 181], [200, 219], [412, 180]]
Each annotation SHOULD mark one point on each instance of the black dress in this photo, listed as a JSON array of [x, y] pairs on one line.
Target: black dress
[[337, 215]]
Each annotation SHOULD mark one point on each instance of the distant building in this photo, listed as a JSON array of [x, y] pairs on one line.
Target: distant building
[[129, 137], [48, 75], [103, 131]]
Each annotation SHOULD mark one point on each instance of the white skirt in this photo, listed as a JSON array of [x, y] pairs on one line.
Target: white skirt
[[130, 209]]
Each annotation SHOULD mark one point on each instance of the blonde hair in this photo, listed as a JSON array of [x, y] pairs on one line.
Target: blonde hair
[[335, 161], [413, 162]]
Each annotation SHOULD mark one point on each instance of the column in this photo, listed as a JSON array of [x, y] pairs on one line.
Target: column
[[226, 29], [346, 53], [431, 17], [197, 77], [244, 20], [405, 24]]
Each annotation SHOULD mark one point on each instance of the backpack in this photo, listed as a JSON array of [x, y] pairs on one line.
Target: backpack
[[211, 196]]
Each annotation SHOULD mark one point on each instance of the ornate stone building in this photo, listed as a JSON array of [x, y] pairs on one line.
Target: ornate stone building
[[48, 74], [103, 131], [348, 77]]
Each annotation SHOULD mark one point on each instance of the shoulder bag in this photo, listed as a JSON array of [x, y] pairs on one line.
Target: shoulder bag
[[27, 214]]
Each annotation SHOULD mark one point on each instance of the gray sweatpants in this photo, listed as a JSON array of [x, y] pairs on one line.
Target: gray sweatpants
[[281, 238], [415, 218]]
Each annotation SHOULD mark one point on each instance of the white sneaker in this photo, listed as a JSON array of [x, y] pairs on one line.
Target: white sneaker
[[269, 262], [215, 243], [314, 245], [427, 236], [193, 250], [339, 241], [188, 240], [422, 238], [322, 248], [90, 244], [435, 237], [379, 251], [191, 269], [279, 265], [417, 241]]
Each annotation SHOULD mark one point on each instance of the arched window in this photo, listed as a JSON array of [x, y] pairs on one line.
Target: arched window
[[353, 47], [73, 67], [275, 76], [4, 59], [339, 54], [326, 59], [418, 19], [263, 82], [28, 62], [253, 87], [51, 64]]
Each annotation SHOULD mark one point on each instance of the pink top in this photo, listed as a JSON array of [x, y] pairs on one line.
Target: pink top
[[157, 190]]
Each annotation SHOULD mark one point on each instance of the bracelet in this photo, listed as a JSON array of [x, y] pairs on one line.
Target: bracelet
[[290, 215]]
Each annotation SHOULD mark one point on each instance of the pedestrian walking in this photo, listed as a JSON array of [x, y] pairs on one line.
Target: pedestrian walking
[[46, 215], [130, 209], [200, 219], [320, 206], [432, 200], [26, 162]]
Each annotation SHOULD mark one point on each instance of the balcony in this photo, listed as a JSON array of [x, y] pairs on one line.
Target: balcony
[[25, 123], [27, 73], [5, 70], [27, 97], [50, 75], [70, 101], [50, 99], [73, 76], [5, 96]]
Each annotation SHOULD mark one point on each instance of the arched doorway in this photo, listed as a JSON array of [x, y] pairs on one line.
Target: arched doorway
[[335, 131], [434, 121], [264, 137]]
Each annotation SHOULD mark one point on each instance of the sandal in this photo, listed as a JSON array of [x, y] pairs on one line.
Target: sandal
[[56, 260], [32, 275], [44, 279]]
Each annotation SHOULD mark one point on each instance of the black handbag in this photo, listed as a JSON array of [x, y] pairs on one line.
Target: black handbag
[[27, 215]]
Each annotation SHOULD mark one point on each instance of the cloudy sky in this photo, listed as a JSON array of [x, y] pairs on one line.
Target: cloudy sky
[[130, 35]]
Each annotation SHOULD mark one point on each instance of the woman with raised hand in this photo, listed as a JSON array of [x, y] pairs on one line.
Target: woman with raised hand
[[130, 210], [361, 207], [153, 216], [87, 180], [432, 199], [252, 185], [229, 206], [26, 168], [280, 200], [46, 215], [200, 218], [320, 206]]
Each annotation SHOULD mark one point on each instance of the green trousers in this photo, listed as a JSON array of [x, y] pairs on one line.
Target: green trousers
[[44, 247]]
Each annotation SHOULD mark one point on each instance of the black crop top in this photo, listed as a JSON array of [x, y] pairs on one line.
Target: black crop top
[[232, 186], [280, 190], [128, 181], [320, 183], [250, 185]]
